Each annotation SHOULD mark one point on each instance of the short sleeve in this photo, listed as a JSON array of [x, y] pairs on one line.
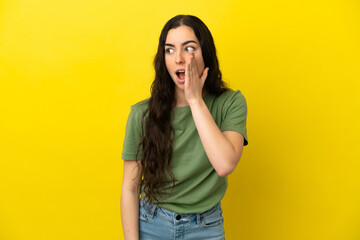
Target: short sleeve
[[132, 136], [234, 114]]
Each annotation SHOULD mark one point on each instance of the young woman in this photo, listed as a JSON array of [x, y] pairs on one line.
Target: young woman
[[182, 142]]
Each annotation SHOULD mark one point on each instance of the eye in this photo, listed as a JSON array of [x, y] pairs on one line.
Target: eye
[[190, 49], [169, 50]]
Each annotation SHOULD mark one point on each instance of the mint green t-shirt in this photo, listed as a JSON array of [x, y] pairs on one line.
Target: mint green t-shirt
[[198, 187]]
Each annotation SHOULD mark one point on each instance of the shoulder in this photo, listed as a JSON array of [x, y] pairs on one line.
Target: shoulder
[[230, 97], [137, 112], [139, 107]]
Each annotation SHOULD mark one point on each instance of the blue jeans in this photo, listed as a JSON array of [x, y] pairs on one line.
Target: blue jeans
[[156, 223]]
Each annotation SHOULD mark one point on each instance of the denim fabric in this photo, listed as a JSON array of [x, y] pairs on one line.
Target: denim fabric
[[156, 223]]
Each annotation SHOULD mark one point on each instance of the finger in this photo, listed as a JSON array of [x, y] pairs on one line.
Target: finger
[[193, 66], [187, 72], [190, 57], [204, 74], [190, 66]]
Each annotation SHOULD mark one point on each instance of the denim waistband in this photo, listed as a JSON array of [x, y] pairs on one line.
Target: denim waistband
[[171, 216]]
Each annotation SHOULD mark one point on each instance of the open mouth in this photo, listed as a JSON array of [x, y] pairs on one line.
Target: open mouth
[[180, 74]]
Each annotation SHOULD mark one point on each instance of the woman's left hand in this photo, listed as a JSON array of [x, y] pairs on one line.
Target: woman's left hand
[[194, 82]]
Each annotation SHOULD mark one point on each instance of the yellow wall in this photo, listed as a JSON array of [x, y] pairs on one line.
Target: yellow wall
[[69, 71]]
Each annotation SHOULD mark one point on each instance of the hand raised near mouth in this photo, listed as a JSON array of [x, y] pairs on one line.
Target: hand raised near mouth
[[194, 82]]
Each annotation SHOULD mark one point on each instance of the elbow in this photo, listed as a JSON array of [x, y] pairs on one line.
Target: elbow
[[226, 170], [224, 173], [227, 165]]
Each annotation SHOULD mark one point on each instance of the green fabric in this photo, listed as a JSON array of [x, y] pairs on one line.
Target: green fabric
[[198, 187]]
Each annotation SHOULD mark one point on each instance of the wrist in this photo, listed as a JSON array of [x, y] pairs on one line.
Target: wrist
[[196, 102]]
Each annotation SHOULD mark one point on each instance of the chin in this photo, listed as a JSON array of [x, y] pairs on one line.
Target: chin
[[179, 87]]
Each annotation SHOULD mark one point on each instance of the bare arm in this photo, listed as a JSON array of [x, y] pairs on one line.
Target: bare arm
[[130, 199], [223, 149]]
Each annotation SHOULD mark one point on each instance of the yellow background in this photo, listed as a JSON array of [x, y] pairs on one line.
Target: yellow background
[[70, 70]]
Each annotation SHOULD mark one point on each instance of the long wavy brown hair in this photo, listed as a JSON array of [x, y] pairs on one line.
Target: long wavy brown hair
[[158, 133]]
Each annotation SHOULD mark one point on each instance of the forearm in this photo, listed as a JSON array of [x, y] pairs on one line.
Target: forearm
[[218, 148], [130, 214]]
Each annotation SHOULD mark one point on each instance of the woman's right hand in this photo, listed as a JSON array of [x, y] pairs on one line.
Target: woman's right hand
[[130, 193]]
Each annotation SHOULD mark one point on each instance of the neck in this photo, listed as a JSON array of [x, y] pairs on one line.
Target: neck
[[180, 100]]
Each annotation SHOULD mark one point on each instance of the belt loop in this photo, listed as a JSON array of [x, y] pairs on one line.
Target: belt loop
[[152, 213], [149, 208], [198, 220]]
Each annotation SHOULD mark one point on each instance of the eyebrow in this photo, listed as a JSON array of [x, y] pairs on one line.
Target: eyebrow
[[183, 44]]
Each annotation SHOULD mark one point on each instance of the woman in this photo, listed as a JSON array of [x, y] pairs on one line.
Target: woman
[[187, 137]]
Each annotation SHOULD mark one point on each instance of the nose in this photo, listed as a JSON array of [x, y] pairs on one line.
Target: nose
[[179, 58]]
